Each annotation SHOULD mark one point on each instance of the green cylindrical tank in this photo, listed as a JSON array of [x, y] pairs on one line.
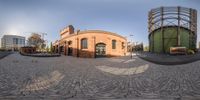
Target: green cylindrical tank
[[170, 39]]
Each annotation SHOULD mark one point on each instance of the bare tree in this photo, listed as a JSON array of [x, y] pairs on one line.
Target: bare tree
[[36, 40]]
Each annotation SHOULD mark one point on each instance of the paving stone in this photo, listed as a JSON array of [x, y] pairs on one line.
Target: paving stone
[[68, 77]]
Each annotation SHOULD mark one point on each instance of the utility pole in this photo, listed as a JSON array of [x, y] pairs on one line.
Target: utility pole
[[43, 34]]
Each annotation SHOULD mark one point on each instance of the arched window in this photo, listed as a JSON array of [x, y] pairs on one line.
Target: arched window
[[84, 44], [123, 45], [113, 44], [69, 42]]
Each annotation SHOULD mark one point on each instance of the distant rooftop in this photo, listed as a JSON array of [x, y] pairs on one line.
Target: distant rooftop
[[12, 36]]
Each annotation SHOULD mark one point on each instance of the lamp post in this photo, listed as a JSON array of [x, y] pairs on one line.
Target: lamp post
[[43, 34], [46, 45], [131, 45], [136, 47]]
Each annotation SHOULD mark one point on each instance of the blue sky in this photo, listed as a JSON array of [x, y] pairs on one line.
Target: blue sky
[[125, 17]]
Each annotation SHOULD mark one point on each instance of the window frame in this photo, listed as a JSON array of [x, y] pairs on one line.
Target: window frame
[[69, 43], [114, 44], [84, 43], [16, 41]]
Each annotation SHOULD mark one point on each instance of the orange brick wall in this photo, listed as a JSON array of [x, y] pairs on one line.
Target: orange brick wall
[[93, 39]]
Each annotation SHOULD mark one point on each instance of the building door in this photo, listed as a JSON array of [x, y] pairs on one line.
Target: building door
[[100, 50], [70, 50], [61, 49]]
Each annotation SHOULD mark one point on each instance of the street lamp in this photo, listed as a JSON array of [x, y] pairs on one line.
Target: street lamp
[[136, 45], [43, 44], [131, 46]]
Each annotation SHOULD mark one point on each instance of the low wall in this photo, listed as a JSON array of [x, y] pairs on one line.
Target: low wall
[[4, 54], [40, 55]]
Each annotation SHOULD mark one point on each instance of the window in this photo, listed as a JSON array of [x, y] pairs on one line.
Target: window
[[23, 41], [84, 44], [113, 44], [20, 41], [69, 42], [123, 46], [15, 40]]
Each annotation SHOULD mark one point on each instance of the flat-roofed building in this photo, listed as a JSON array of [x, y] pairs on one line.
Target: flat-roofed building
[[12, 42]]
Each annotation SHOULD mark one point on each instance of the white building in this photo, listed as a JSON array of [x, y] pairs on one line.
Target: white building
[[12, 42]]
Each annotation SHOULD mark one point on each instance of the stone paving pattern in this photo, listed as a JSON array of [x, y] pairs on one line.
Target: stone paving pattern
[[167, 59], [61, 78]]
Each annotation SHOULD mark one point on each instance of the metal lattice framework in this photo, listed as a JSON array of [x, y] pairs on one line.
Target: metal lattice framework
[[179, 17], [173, 16]]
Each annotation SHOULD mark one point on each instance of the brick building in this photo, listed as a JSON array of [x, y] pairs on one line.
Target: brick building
[[90, 43]]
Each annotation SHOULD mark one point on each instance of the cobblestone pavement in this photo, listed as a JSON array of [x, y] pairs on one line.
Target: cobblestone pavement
[[61, 78]]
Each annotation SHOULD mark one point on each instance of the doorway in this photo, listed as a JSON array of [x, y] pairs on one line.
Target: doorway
[[70, 50], [100, 50]]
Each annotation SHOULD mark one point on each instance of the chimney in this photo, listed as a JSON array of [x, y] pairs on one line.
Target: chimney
[[70, 29]]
